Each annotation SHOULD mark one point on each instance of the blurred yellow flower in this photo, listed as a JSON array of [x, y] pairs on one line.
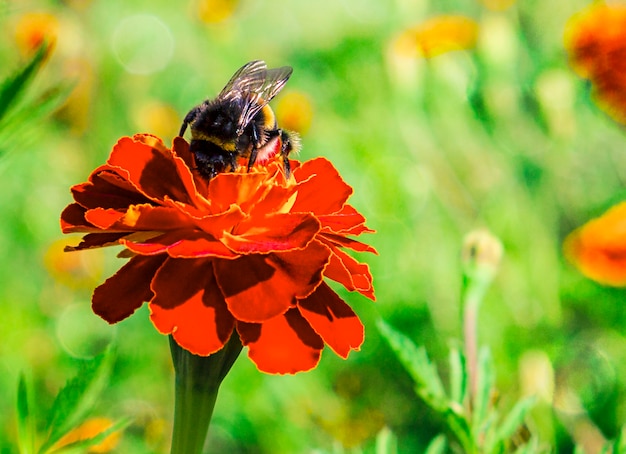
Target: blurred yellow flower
[[157, 118], [33, 29], [76, 108], [90, 429], [73, 270], [213, 11], [497, 5], [437, 35], [598, 248], [595, 39], [294, 112]]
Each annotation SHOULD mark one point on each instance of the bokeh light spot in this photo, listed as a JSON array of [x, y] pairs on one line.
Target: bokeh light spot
[[81, 333], [143, 44]]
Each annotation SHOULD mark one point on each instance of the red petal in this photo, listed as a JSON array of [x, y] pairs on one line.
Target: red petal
[[73, 220], [348, 221], [278, 199], [241, 189], [321, 190], [259, 287], [181, 244], [107, 189], [139, 217], [285, 344], [103, 218], [342, 241], [215, 224], [126, 290], [94, 240], [189, 305], [273, 233], [153, 169], [350, 273], [333, 320]]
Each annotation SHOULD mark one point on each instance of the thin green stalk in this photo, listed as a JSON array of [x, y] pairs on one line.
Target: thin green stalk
[[472, 299], [198, 379]]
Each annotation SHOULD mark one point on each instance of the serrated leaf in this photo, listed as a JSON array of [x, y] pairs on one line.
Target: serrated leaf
[[77, 397], [386, 442], [12, 88], [416, 362], [25, 426], [458, 376], [437, 445]]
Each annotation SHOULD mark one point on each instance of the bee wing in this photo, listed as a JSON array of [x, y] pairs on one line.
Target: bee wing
[[253, 85]]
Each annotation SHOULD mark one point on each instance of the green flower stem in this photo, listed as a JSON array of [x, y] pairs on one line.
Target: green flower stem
[[198, 379], [473, 296]]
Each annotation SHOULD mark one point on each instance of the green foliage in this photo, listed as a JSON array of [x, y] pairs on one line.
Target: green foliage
[[18, 115], [25, 427], [503, 135], [69, 410], [475, 423]]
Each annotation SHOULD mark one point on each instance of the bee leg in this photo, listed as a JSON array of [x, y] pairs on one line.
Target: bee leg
[[254, 151], [290, 142], [233, 162], [189, 118], [252, 158]]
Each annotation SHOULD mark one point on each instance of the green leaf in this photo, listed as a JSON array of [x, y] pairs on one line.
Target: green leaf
[[386, 442], [77, 397], [437, 445], [482, 399], [415, 361], [619, 445], [25, 427], [514, 419], [459, 426], [12, 88], [458, 376], [16, 124]]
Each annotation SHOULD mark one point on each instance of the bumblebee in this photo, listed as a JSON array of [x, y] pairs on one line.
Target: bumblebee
[[239, 123]]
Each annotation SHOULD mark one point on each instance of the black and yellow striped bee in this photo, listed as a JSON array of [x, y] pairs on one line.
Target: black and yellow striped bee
[[239, 123]]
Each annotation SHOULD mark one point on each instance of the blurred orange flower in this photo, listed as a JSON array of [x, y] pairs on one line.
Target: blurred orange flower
[[438, 35], [90, 429], [246, 251], [33, 29], [598, 248], [596, 41]]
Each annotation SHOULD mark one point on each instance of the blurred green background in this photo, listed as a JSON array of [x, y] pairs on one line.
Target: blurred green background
[[501, 134]]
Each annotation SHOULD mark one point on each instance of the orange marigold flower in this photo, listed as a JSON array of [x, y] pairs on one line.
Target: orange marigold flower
[[247, 251], [598, 248], [35, 28], [596, 41], [438, 35]]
